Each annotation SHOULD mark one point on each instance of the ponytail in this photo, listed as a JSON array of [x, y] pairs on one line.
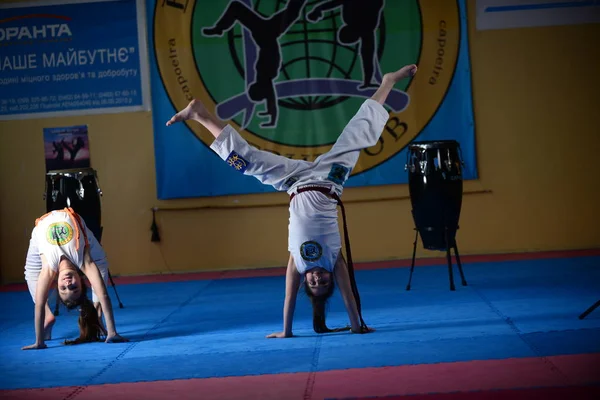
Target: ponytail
[[318, 306], [319, 303], [90, 325]]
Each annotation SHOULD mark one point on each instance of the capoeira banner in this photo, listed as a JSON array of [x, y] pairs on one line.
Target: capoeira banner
[[289, 75]]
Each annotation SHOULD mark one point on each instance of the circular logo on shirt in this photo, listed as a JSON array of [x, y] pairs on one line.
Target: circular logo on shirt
[[59, 233], [289, 75], [311, 251]]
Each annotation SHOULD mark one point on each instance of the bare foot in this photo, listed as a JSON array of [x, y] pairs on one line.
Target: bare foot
[[195, 111], [404, 72]]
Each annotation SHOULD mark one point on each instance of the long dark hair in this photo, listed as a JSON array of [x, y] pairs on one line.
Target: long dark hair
[[90, 325], [319, 304]]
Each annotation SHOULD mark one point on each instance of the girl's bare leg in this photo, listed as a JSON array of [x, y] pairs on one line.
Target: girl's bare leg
[[390, 79], [196, 111]]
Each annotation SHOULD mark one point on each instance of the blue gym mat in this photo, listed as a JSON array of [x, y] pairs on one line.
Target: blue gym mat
[[217, 328]]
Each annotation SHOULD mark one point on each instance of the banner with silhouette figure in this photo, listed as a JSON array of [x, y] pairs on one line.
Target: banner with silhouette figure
[[289, 75], [66, 147]]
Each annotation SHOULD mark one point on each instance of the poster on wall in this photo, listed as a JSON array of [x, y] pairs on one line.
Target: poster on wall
[[66, 147], [289, 75], [509, 14], [65, 57]]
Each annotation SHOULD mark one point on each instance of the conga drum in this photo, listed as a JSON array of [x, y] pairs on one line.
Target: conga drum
[[78, 189], [436, 188]]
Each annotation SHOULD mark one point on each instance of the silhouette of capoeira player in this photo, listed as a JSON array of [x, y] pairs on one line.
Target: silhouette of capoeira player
[[361, 20], [59, 151], [265, 32], [77, 145]]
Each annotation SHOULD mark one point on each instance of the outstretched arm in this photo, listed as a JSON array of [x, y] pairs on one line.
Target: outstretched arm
[[33, 269], [292, 284], [342, 278], [287, 16], [99, 256], [90, 269], [45, 279]]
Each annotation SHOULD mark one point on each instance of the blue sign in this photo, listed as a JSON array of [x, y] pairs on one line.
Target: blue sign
[[72, 58]]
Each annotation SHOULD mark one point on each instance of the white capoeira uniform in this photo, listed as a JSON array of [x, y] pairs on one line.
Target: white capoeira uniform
[[55, 235], [313, 236]]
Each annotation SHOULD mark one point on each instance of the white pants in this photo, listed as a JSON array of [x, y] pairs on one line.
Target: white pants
[[363, 131], [33, 263], [313, 216]]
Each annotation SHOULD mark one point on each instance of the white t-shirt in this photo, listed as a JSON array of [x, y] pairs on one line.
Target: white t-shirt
[[313, 234], [39, 244], [59, 234]]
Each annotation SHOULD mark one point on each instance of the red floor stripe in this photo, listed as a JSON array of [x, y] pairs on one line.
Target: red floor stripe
[[459, 376], [280, 271], [550, 393], [422, 380]]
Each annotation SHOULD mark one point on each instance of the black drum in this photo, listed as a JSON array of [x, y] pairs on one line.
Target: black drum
[[436, 187], [78, 189]]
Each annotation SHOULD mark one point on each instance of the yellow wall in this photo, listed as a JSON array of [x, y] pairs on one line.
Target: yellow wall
[[536, 107]]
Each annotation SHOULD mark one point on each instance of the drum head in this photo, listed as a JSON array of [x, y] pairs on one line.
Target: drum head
[[72, 172], [434, 144]]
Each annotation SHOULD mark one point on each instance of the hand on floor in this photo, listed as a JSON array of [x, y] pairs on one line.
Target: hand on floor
[[279, 335], [116, 338]]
